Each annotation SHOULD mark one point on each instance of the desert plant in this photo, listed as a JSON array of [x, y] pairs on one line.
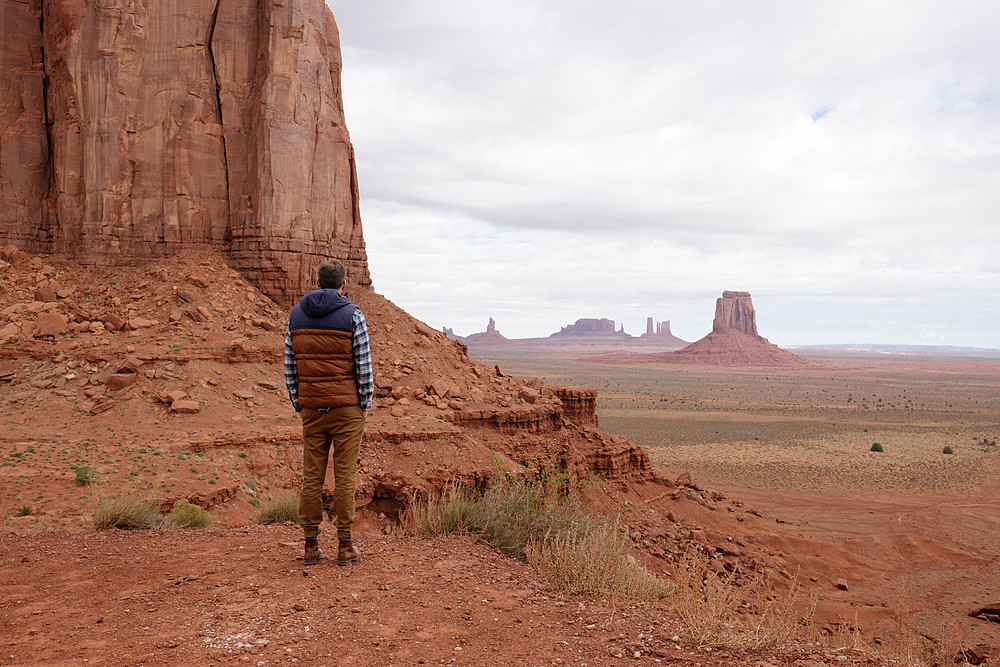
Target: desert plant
[[595, 562], [947, 450], [187, 515], [508, 515], [876, 447], [128, 512], [86, 476], [283, 507], [541, 520], [25, 510], [717, 612]]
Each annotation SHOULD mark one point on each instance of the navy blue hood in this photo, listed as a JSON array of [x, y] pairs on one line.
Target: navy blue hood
[[321, 302]]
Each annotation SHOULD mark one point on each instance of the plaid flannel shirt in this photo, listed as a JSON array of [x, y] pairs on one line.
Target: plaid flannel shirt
[[362, 365]]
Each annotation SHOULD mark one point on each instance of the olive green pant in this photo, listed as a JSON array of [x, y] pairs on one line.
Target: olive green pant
[[342, 429]]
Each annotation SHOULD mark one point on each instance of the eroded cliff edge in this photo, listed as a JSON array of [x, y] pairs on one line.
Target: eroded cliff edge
[[132, 130]]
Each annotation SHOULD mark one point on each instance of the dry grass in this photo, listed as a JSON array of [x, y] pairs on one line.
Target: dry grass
[[282, 507], [719, 613], [552, 532], [595, 562], [127, 512]]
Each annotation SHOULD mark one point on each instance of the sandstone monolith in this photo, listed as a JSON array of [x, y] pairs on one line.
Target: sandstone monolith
[[137, 130]]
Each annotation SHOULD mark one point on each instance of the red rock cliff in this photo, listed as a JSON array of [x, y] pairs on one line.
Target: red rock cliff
[[734, 312], [133, 130]]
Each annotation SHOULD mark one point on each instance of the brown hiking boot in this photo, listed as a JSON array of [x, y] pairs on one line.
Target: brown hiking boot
[[347, 553], [313, 553]]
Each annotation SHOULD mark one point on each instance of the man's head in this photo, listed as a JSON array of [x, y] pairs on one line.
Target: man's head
[[331, 274]]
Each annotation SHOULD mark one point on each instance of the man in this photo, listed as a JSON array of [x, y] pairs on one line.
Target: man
[[328, 372]]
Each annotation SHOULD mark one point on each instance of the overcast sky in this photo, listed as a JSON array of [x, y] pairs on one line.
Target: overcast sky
[[543, 161]]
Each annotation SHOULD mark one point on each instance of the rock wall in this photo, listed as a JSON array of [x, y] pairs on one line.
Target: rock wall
[[579, 404], [135, 130], [734, 312]]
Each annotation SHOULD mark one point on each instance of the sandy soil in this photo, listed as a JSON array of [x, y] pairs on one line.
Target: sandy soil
[[242, 595], [913, 531]]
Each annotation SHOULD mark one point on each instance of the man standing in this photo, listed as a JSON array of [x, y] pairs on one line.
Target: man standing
[[328, 372]]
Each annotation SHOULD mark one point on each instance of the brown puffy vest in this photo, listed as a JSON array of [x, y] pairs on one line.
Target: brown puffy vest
[[325, 362]]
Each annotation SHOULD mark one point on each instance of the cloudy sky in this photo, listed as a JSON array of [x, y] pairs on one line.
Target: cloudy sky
[[540, 161]]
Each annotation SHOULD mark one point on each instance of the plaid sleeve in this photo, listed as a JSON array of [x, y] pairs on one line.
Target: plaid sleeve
[[291, 372], [363, 361]]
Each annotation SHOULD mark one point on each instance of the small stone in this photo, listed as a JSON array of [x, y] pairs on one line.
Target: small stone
[[186, 407], [120, 381]]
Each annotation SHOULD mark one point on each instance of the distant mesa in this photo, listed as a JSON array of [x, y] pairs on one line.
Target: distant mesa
[[661, 335], [734, 340], [489, 338], [585, 333], [591, 328]]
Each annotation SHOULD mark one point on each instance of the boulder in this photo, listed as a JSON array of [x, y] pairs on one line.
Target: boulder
[[185, 407], [50, 324]]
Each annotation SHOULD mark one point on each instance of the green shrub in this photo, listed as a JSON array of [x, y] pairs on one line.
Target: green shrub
[[947, 450], [186, 515], [126, 512], [25, 510], [86, 476], [876, 447], [284, 507]]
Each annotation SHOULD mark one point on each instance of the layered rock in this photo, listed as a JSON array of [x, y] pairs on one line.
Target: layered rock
[[734, 312], [133, 131]]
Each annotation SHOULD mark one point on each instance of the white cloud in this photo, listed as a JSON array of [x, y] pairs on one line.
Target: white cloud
[[830, 153]]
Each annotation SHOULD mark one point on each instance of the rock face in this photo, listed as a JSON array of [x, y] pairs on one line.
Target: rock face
[[734, 312], [590, 327], [136, 130]]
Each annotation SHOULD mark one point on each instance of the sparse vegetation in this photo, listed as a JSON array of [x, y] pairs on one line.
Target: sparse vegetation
[[714, 609], [538, 521], [876, 447], [947, 450], [127, 512], [87, 476], [283, 507], [187, 515]]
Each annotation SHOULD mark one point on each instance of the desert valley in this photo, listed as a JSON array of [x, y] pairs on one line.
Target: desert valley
[[171, 178]]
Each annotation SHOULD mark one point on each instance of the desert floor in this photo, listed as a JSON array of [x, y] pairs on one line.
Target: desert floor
[[915, 531]]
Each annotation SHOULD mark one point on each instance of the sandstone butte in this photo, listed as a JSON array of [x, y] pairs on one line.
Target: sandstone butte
[[734, 340], [130, 131]]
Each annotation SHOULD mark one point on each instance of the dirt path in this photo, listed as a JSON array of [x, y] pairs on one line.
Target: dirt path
[[232, 595]]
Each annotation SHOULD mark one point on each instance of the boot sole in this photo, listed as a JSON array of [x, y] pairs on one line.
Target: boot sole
[[347, 562]]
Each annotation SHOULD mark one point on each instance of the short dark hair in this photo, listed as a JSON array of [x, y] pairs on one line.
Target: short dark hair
[[331, 274]]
